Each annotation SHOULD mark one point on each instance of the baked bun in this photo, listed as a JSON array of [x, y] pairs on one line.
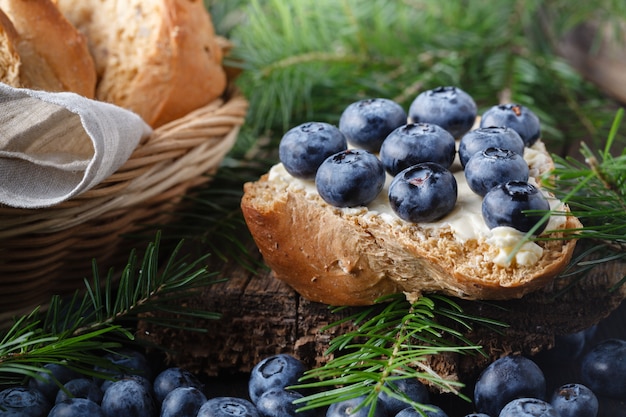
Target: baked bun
[[158, 58], [353, 256], [53, 54], [9, 58]]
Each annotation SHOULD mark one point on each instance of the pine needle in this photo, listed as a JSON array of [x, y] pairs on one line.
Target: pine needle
[[391, 341], [77, 330]]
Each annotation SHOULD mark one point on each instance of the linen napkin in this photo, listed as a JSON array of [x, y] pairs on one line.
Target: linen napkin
[[54, 146]]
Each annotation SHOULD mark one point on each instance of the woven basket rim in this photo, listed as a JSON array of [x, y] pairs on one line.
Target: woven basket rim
[[177, 152]]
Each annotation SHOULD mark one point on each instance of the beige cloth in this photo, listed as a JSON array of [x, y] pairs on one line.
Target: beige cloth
[[54, 146]]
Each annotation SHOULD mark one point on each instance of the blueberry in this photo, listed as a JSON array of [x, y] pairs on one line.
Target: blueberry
[[517, 117], [228, 407], [449, 107], [414, 143], [127, 361], [574, 400], [182, 402], [477, 415], [347, 408], [489, 137], [127, 397], [23, 402], [303, 148], [80, 388], [504, 205], [143, 381], [528, 407], [276, 371], [494, 166], [566, 347], [51, 379], [603, 368], [76, 407], [350, 178], [172, 378], [401, 391], [278, 402], [505, 379], [366, 123], [431, 411], [423, 193]]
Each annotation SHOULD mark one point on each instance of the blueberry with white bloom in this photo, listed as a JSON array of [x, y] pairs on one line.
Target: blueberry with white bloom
[[172, 378], [354, 407], [279, 402], [127, 397], [505, 379], [603, 368], [276, 371], [366, 123], [303, 148], [449, 107], [80, 388], [48, 380], [76, 407], [528, 407], [411, 388], [182, 402], [515, 116], [423, 193], [23, 402], [575, 400], [489, 137], [429, 411], [127, 361], [494, 166], [516, 204], [228, 407], [415, 143], [350, 178]]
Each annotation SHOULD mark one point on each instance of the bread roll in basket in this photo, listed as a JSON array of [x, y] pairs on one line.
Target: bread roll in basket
[[162, 60]]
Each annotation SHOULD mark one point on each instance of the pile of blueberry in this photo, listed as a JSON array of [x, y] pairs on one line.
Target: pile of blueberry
[[512, 386], [376, 137]]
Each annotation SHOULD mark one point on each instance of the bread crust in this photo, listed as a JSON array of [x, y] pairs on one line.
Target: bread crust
[[53, 53], [158, 58], [9, 58], [344, 257]]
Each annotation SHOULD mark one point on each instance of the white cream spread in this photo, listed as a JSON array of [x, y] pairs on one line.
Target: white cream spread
[[465, 220], [506, 239]]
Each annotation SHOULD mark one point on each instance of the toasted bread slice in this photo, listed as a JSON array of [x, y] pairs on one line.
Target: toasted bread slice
[[353, 256]]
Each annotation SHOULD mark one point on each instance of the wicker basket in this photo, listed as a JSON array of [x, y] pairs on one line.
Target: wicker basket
[[48, 251]]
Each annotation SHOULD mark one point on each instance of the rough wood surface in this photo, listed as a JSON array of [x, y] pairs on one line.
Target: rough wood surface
[[263, 316]]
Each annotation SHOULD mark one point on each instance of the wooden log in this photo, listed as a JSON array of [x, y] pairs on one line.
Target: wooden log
[[262, 316]]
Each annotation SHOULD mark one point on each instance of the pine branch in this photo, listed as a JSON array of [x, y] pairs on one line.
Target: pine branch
[[308, 60], [76, 330], [389, 344], [595, 190]]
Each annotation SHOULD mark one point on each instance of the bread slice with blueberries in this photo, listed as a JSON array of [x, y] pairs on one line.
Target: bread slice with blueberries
[[417, 202]]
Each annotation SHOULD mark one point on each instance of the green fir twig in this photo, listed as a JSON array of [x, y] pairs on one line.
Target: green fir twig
[[77, 330], [595, 190], [389, 344]]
